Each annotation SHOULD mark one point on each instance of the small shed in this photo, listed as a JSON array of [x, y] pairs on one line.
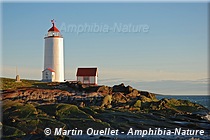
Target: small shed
[[87, 75], [48, 75]]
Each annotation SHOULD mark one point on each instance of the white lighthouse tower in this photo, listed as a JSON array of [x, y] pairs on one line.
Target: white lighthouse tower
[[53, 56]]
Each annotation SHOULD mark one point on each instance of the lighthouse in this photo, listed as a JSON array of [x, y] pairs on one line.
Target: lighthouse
[[53, 56]]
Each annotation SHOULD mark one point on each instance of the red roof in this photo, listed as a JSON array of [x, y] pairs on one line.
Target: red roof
[[50, 69], [87, 72], [53, 28]]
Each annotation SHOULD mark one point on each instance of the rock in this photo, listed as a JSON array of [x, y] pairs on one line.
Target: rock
[[104, 137], [145, 99], [27, 111], [82, 104], [137, 104], [148, 95], [90, 89], [119, 97], [130, 89], [75, 86], [1, 126], [107, 100], [93, 94], [33, 94], [104, 90], [127, 107], [109, 106], [12, 131], [14, 94], [32, 118], [120, 88], [206, 117], [133, 94], [134, 109]]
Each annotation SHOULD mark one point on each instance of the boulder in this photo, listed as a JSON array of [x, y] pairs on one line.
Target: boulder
[[107, 101], [133, 94], [119, 97], [130, 89], [137, 104], [148, 95], [104, 89], [145, 99], [120, 88]]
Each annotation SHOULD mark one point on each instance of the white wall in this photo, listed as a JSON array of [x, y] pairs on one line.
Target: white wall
[[80, 78], [92, 80], [96, 80], [53, 57], [48, 76]]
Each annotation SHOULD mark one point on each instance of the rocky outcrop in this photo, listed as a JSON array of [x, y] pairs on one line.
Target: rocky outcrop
[[133, 94], [33, 94], [27, 111], [122, 88], [107, 101], [148, 95], [119, 97], [104, 90]]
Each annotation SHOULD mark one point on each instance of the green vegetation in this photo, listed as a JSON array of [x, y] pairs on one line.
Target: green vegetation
[[26, 118], [10, 84], [7, 83]]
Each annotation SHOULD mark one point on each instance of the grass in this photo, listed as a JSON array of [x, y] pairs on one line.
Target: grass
[[10, 84], [7, 83]]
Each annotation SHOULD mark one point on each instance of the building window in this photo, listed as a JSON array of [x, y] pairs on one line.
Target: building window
[[46, 75], [86, 78]]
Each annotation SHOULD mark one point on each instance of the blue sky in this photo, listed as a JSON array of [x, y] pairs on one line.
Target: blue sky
[[174, 50]]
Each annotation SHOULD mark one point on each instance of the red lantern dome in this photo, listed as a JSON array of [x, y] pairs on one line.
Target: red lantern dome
[[53, 31], [53, 28]]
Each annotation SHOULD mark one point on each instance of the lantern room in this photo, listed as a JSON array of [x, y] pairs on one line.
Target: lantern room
[[53, 31]]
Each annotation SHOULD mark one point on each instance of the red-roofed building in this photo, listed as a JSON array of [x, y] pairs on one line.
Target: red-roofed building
[[48, 75], [87, 75]]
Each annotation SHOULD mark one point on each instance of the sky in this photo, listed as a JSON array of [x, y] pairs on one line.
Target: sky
[[168, 54]]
